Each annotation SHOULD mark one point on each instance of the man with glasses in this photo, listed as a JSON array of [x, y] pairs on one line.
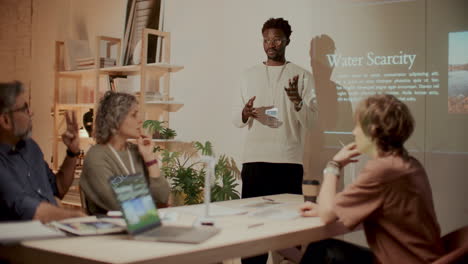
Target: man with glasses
[[28, 187], [275, 106]]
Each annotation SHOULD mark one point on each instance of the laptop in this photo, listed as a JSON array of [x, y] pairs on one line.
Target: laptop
[[142, 218]]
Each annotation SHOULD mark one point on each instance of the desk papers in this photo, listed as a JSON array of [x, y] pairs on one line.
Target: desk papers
[[90, 225], [215, 210], [14, 232]]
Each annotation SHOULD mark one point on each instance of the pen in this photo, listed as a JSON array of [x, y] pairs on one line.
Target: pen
[[341, 143], [255, 225], [268, 199]]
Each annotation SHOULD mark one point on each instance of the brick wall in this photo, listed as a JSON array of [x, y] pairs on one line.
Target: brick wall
[[15, 40]]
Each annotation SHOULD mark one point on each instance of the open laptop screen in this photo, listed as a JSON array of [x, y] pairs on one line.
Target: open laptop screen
[[136, 202]]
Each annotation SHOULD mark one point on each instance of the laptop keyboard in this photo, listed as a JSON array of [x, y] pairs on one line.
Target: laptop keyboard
[[167, 231]]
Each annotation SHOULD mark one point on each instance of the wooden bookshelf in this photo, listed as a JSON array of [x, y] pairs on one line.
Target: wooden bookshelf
[[154, 109]]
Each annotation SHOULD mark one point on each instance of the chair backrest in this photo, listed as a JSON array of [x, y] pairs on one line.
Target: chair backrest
[[84, 203], [456, 246]]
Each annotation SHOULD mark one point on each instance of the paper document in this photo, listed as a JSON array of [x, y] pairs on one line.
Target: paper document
[[91, 225], [14, 232], [276, 213], [215, 210], [262, 204]]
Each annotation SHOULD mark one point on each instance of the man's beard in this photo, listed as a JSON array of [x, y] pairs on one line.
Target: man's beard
[[277, 56], [22, 134]]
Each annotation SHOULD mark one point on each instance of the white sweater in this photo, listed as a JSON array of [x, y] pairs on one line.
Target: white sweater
[[284, 144]]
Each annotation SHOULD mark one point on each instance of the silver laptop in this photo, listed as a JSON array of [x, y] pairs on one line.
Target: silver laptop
[[142, 218]]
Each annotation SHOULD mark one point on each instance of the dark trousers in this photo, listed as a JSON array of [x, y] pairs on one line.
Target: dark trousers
[[335, 251], [260, 179]]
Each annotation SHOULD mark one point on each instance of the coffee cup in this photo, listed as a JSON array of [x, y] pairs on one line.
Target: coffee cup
[[310, 189]]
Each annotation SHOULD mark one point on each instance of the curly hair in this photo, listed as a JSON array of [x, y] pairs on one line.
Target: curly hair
[[387, 121], [278, 23], [112, 110]]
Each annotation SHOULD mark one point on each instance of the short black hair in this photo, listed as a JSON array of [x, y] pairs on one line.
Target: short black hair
[[278, 23]]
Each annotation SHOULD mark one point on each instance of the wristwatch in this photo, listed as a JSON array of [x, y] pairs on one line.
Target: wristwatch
[[332, 170], [72, 154]]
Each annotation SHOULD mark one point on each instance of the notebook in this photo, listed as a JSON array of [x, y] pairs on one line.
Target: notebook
[[90, 225], [142, 217]]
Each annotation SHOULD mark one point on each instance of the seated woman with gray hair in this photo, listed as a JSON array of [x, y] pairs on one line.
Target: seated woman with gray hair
[[117, 120]]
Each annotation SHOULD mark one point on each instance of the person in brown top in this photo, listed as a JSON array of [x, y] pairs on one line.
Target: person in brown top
[[391, 197]]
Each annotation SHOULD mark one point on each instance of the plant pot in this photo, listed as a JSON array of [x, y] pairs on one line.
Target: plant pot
[[177, 199], [156, 135]]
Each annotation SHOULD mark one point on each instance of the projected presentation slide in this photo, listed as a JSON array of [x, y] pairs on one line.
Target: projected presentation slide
[[415, 50], [458, 72]]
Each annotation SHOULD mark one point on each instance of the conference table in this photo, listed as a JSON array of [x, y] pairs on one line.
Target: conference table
[[257, 229]]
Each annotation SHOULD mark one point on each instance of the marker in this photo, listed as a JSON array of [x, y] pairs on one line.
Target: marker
[[255, 225], [207, 223], [268, 199], [341, 143]]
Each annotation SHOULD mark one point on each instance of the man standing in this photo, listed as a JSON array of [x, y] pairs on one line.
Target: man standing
[[27, 185], [284, 98], [273, 147]]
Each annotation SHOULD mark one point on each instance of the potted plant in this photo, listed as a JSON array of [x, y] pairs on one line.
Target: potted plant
[[157, 129], [226, 174], [186, 179], [187, 173], [168, 133]]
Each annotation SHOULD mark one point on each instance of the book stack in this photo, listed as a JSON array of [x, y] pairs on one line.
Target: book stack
[[107, 62], [84, 63], [77, 50], [88, 63], [153, 96]]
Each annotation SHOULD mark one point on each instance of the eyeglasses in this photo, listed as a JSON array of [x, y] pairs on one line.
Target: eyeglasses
[[24, 109], [276, 41]]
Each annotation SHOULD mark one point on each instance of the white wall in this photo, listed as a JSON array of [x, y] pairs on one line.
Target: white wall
[[216, 41]]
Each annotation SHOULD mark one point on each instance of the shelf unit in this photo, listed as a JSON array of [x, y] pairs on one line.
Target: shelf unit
[[83, 98]]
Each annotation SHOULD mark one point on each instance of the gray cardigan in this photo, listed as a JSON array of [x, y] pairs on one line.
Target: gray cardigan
[[100, 164]]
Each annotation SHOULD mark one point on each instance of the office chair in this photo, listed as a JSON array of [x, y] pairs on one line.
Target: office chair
[[456, 247]]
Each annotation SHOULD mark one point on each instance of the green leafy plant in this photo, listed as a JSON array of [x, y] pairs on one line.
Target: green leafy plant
[[185, 178], [206, 149], [226, 173], [168, 133], [187, 173], [158, 130], [153, 125]]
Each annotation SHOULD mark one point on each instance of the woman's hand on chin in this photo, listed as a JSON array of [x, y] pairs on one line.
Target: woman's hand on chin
[[145, 147], [346, 155]]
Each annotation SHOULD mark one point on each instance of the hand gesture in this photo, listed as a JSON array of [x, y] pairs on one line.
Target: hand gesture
[[293, 92], [346, 155], [145, 147], [71, 137], [265, 119], [309, 209], [249, 110]]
